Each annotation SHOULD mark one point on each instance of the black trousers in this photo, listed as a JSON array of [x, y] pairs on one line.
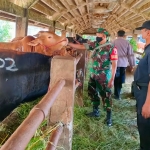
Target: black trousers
[[143, 124], [119, 79]]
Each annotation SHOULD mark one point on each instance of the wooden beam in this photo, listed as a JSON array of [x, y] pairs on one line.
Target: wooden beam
[[70, 21], [135, 3], [136, 11], [7, 16], [131, 17], [79, 8], [102, 1], [124, 12], [116, 9], [70, 9], [24, 3], [52, 5], [7, 6], [32, 15], [87, 5], [77, 3], [145, 7], [122, 19], [42, 9], [112, 5], [7, 19], [59, 26], [32, 3]]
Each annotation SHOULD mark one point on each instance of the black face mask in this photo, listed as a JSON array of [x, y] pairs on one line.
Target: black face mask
[[99, 39]]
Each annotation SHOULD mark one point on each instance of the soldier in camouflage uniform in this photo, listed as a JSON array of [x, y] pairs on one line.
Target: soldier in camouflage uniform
[[102, 73]]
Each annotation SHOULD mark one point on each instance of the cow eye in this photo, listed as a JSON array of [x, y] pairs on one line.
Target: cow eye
[[49, 37]]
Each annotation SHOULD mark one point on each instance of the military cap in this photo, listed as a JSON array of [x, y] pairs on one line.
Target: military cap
[[102, 30]]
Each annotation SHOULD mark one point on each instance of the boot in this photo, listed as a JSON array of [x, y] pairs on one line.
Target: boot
[[94, 113], [108, 119]]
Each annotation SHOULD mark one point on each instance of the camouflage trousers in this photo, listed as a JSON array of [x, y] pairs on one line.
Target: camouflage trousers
[[97, 89]]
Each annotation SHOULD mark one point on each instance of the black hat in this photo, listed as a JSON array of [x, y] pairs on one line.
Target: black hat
[[145, 25]]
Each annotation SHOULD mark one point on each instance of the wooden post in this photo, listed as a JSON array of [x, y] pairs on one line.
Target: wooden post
[[63, 68], [52, 29], [22, 25], [81, 76]]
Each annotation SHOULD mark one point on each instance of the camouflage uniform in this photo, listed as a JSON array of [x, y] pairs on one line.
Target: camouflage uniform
[[101, 74]]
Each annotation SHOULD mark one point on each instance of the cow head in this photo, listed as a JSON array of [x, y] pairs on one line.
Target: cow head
[[50, 40]]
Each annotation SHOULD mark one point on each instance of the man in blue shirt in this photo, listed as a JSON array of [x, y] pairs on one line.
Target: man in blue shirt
[[142, 90]]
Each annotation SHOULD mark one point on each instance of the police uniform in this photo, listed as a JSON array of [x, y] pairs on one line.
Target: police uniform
[[141, 81], [100, 74]]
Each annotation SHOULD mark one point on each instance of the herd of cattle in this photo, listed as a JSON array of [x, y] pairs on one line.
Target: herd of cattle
[[25, 67]]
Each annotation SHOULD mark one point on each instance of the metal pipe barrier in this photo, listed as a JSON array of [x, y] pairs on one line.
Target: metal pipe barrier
[[54, 138], [21, 137]]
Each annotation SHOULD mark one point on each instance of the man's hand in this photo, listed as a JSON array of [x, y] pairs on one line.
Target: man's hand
[[146, 110], [131, 68], [110, 83]]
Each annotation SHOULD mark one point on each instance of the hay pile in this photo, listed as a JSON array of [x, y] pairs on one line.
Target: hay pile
[[93, 134]]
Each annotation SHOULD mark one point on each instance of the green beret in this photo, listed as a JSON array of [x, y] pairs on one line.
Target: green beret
[[102, 30]]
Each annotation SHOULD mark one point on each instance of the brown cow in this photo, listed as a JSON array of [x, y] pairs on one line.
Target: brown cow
[[47, 43]]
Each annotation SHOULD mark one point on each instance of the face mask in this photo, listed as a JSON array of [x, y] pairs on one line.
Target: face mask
[[99, 39]]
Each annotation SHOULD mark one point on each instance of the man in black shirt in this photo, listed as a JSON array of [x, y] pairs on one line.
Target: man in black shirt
[[142, 90]]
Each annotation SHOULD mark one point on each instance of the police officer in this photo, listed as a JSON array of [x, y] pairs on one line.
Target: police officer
[[142, 90], [102, 74]]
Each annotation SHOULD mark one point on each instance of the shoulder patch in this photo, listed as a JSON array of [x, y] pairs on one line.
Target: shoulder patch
[[114, 54]]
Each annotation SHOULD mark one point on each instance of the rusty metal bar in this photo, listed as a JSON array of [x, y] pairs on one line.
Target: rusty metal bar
[[54, 138], [21, 137], [78, 57]]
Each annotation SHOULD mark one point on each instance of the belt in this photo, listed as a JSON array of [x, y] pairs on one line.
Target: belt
[[139, 84]]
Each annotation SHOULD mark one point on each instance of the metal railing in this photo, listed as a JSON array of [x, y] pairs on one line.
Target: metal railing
[[23, 134]]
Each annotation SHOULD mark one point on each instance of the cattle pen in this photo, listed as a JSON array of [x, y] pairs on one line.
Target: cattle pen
[[65, 85], [58, 103]]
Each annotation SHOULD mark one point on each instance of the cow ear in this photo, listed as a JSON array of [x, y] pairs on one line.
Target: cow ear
[[33, 43]]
